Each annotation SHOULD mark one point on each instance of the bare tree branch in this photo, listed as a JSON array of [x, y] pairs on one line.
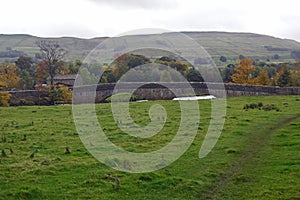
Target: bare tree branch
[[52, 54], [51, 51]]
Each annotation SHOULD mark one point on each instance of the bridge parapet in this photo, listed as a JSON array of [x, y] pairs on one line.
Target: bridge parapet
[[156, 91]]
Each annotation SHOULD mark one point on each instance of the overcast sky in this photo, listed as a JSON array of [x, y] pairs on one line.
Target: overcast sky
[[95, 18]]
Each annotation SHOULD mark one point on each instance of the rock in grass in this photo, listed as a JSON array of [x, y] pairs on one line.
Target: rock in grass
[[67, 150], [24, 138], [4, 139], [3, 154], [33, 153]]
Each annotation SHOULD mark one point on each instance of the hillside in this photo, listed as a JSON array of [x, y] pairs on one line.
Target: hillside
[[230, 45]]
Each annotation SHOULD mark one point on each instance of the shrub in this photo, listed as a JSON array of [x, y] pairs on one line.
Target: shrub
[[246, 107], [270, 107], [253, 106], [59, 93], [260, 106], [223, 59], [4, 98]]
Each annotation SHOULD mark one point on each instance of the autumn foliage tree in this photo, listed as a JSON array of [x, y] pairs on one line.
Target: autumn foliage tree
[[243, 71], [108, 75], [262, 79], [282, 77], [9, 75], [127, 61], [42, 72], [4, 96], [295, 78], [59, 93], [181, 67]]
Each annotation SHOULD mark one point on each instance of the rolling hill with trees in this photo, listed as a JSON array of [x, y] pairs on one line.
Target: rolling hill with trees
[[224, 47]]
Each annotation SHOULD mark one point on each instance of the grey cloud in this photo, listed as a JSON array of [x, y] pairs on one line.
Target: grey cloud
[[145, 4], [290, 28], [206, 20]]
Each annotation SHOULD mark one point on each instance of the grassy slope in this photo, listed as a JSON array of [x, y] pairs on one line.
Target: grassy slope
[[217, 44], [271, 171]]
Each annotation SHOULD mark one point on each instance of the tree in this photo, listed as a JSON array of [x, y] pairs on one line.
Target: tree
[[24, 63], [108, 77], [4, 96], [166, 59], [4, 99], [295, 78], [127, 61], [243, 71], [137, 60], [42, 72], [74, 67], [276, 57], [271, 70], [26, 79], [194, 76], [52, 53], [262, 79], [59, 93], [284, 78], [65, 93], [223, 59], [9, 75], [227, 73], [180, 67]]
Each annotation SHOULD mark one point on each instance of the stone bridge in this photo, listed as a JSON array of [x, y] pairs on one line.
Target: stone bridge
[[154, 91], [163, 91]]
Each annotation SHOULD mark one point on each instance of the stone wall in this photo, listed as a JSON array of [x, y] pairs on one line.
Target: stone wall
[[28, 97], [154, 91]]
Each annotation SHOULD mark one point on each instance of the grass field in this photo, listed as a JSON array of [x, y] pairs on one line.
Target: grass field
[[256, 157]]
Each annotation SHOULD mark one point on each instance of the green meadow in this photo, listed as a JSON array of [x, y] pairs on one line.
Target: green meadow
[[256, 156]]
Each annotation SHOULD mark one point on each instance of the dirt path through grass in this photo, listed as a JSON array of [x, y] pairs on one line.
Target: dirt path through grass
[[256, 142]]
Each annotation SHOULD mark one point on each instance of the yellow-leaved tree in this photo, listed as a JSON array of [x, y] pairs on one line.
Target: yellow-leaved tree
[[59, 93], [262, 79], [8, 75], [243, 71], [4, 96], [66, 93]]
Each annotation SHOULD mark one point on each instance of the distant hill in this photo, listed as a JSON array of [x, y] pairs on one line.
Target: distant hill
[[217, 44]]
